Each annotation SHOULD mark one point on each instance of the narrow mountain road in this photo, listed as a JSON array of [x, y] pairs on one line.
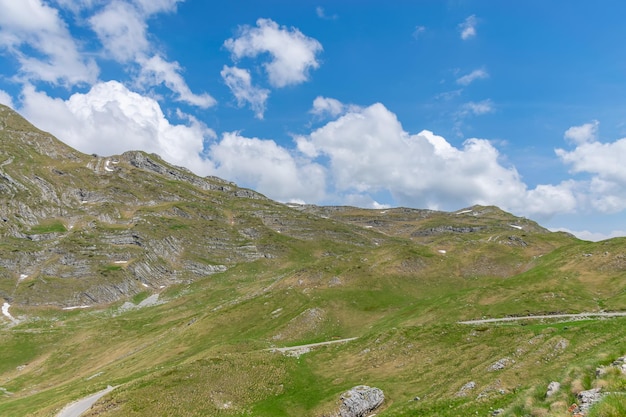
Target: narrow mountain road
[[306, 348], [77, 408], [546, 316]]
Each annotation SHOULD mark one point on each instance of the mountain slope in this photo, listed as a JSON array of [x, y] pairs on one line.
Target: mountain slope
[[186, 284]]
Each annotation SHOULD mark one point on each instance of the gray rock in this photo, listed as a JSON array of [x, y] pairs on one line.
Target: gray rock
[[553, 388], [465, 388], [588, 398], [360, 401]]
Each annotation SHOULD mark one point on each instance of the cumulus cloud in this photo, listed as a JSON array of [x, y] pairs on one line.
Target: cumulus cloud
[[156, 70], [121, 30], [369, 152], [240, 83], [584, 133], [468, 27], [472, 76], [32, 24], [327, 106], [268, 168], [602, 186], [292, 54], [6, 99], [112, 119]]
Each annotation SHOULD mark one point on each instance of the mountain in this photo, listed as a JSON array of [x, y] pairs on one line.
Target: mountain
[[182, 291]]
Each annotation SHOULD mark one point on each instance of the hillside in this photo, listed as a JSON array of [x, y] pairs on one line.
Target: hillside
[[177, 289]]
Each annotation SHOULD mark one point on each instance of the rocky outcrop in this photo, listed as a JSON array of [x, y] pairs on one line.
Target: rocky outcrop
[[446, 229], [360, 401]]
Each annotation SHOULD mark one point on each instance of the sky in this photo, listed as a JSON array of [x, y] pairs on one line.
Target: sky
[[425, 104]]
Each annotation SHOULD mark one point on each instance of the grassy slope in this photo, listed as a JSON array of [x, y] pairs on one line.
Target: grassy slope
[[201, 353], [397, 279]]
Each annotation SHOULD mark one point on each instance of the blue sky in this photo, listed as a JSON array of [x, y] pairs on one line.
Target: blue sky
[[427, 104]]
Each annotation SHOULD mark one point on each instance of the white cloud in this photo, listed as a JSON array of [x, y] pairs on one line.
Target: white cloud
[[33, 24], [584, 133], [292, 53], [321, 13], [110, 119], [602, 166], [418, 31], [327, 106], [156, 70], [240, 83], [268, 168], [6, 99], [477, 108], [150, 7], [472, 76], [121, 30], [368, 152], [468, 27]]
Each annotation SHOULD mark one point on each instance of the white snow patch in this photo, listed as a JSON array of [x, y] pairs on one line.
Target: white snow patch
[[442, 251], [516, 226], [145, 285], [5, 312], [463, 211], [106, 166], [75, 307], [23, 277], [120, 262]]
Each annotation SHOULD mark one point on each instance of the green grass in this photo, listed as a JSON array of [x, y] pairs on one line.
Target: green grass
[[55, 226], [613, 405], [294, 276]]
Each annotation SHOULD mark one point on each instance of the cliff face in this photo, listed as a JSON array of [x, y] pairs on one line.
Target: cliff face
[[81, 229]]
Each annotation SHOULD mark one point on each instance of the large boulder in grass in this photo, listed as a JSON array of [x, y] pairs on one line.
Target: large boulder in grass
[[360, 401]]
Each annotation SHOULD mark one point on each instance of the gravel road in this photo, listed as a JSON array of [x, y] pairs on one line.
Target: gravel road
[[546, 316]]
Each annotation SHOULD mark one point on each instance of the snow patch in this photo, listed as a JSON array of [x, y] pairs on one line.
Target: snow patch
[[23, 277], [463, 211], [75, 307], [120, 262], [442, 251], [516, 226], [5, 312]]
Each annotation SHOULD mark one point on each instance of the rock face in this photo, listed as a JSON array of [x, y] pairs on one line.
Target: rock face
[[360, 401]]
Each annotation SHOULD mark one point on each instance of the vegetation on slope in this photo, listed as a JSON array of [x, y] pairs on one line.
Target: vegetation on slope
[[237, 274]]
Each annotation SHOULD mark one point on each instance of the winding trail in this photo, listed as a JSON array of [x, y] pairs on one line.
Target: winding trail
[[547, 316], [77, 408]]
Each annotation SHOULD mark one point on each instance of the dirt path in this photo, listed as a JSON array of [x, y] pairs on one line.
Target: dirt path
[[77, 408], [299, 350], [546, 316]]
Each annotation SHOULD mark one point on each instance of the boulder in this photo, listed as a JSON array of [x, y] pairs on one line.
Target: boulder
[[553, 388], [360, 401]]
